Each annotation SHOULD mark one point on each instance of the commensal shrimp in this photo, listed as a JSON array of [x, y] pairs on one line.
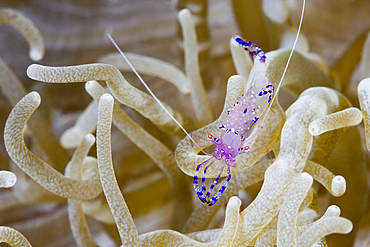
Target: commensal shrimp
[[238, 124], [240, 120]]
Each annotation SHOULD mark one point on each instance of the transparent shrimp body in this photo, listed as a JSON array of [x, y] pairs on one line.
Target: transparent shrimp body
[[238, 125]]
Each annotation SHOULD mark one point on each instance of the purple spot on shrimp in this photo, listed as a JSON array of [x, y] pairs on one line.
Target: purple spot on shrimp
[[205, 171], [255, 119], [245, 110], [269, 100], [221, 126], [214, 199], [241, 42]]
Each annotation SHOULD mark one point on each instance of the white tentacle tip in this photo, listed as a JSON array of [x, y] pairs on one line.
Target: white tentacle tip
[[236, 78], [32, 71], [107, 97], [71, 138], [345, 118], [276, 11], [34, 96], [338, 185], [234, 201], [106, 100], [314, 129], [183, 12], [357, 116], [36, 54], [90, 139], [306, 216], [332, 211], [7, 179], [89, 85], [350, 226], [93, 88], [306, 177], [346, 226], [363, 85]]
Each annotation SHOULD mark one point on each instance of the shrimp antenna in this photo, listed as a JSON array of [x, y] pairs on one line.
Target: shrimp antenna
[[151, 93], [286, 66]]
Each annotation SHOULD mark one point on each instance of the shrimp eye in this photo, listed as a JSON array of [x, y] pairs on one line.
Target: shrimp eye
[[246, 149], [210, 137]]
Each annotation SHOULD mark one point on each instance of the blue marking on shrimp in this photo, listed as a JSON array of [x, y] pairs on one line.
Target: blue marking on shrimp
[[214, 184], [237, 126], [252, 48], [215, 198]]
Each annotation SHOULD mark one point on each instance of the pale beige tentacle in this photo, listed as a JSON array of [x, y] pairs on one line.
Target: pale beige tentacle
[[345, 118], [14, 91], [288, 215], [7, 179], [336, 185], [121, 214], [28, 30], [79, 228], [268, 234], [36, 168], [149, 66], [85, 124], [156, 150], [198, 94], [124, 92], [363, 91], [322, 228], [13, 237], [295, 145], [172, 238]]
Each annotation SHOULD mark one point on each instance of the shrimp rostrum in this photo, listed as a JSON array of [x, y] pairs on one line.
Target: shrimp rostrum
[[237, 129]]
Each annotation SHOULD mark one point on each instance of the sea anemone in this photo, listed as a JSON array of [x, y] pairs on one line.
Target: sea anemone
[[148, 190]]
